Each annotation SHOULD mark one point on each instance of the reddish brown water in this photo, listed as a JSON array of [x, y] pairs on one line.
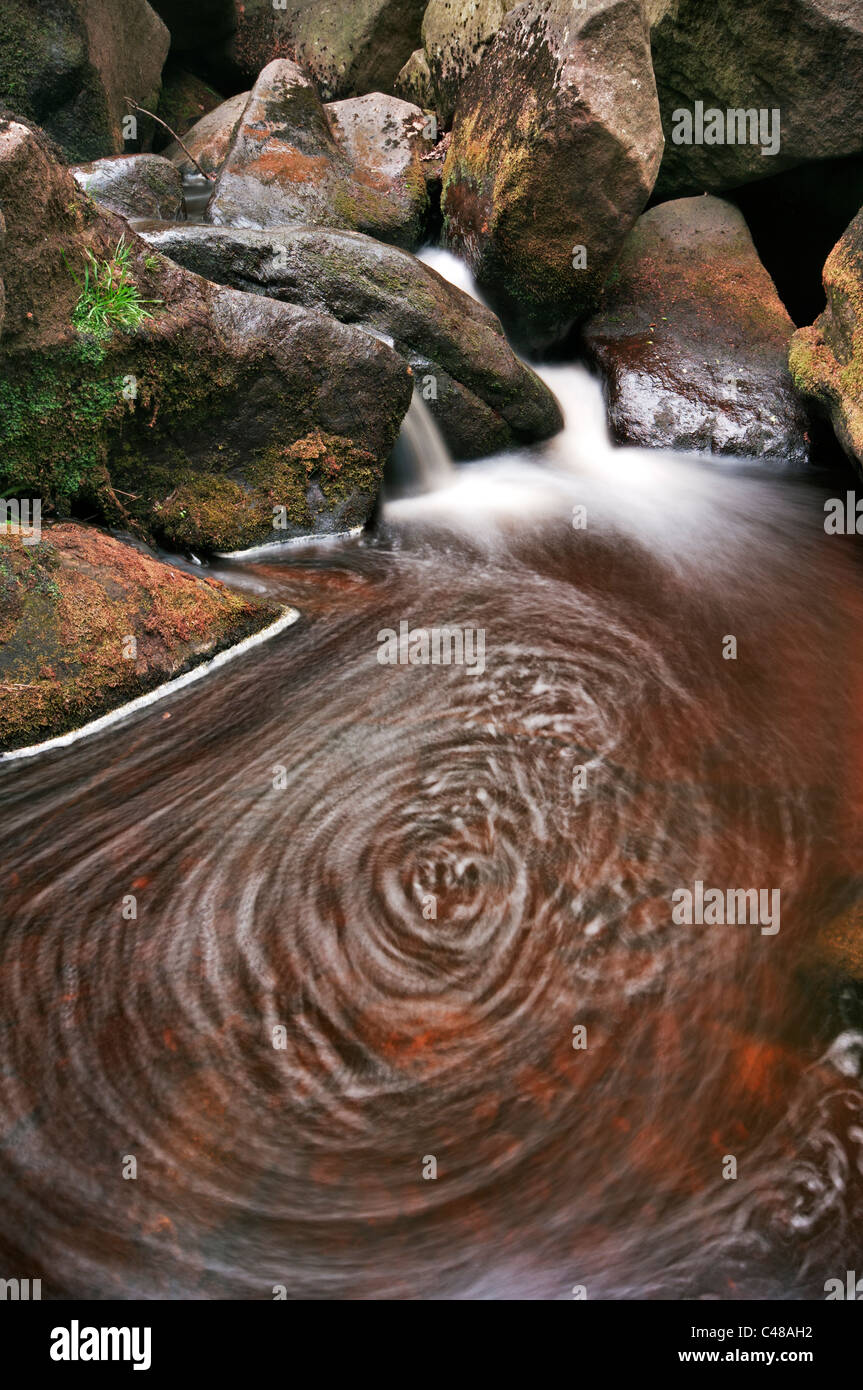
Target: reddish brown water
[[302, 905]]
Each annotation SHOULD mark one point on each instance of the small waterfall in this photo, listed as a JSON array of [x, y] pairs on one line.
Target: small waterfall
[[452, 268], [420, 461]]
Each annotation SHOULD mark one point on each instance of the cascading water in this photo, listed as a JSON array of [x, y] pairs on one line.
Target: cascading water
[[373, 904], [421, 461]]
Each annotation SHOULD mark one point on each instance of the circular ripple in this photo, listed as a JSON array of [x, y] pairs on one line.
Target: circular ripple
[[372, 905]]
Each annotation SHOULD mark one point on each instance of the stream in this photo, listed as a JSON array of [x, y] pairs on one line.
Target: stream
[[428, 882]]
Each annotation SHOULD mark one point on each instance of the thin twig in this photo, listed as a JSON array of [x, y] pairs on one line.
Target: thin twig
[[211, 178]]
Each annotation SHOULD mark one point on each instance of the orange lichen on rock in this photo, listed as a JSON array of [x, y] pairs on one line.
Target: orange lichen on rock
[[88, 623]]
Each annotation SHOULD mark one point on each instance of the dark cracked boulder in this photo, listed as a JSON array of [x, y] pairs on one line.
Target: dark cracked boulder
[[799, 58], [483, 397], [134, 185], [692, 339], [555, 148], [70, 65], [214, 419], [354, 164], [826, 359], [88, 623]]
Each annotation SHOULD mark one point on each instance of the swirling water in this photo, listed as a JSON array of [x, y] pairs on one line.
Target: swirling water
[[288, 828]]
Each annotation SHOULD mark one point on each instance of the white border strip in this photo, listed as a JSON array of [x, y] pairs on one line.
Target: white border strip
[[273, 547], [287, 619]]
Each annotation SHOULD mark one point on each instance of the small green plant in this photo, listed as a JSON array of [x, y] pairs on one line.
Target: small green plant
[[109, 298], [151, 262]]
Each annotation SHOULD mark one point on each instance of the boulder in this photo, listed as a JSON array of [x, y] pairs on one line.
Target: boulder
[[210, 138], [555, 147], [456, 33], [221, 420], [134, 185], [801, 58], [692, 339], [826, 359], [349, 47], [69, 605], [185, 99], [354, 164], [71, 65], [483, 397], [414, 82]]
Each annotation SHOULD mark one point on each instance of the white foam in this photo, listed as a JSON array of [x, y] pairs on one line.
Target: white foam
[[295, 542], [451, 268], [105, 721]]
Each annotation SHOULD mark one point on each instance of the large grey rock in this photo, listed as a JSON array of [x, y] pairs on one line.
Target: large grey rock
[[827, 359], [482, 396], [70, 65], [802, 58], [210, 138], [354, 164], [134, 185], [555, 147], [692, 339]]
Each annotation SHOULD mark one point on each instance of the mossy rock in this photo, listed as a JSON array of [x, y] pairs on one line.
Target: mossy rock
[[318, 485], [482, 397], [801, 58], [134, 185], [71, 65], [826, 359], [556, 143], [205, 387], [348, 47], [184, 100], [88, 623], [354, 164]]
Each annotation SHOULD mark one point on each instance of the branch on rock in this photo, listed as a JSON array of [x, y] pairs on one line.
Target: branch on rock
[[211, 178]]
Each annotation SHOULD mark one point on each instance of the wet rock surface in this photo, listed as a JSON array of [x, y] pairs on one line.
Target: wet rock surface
[[353, 164], [691, 339], [137, 185], [194, 426], [481, 395]]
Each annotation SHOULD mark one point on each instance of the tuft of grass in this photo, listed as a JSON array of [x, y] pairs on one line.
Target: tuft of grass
[[109, 297]]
